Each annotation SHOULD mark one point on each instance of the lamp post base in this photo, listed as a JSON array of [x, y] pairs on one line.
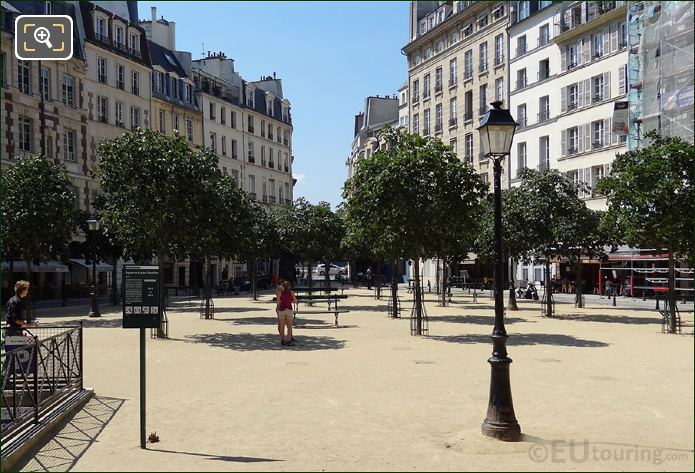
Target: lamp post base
[[500, 422], [94, 311]]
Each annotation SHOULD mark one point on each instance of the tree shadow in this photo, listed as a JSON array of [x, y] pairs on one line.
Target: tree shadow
[[263, 341], [219, 457], [237, 310], [65, 448], [476, 319], [519, 339], [363, 308], [88, 322], [613, 319], [267, 320]]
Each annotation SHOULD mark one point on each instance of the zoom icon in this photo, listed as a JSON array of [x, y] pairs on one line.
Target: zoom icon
[[43, 37]]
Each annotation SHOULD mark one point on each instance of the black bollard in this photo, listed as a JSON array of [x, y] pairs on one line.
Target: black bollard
[[656, 296], [613, 300], [644, 295]]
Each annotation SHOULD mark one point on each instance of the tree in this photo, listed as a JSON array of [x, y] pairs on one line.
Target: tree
[[38, 211], [261, 236], [651, 199], [409, 196], [147, 180]]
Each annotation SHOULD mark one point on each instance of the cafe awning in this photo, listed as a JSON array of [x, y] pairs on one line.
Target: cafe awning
[[101, 266], [44, 267]]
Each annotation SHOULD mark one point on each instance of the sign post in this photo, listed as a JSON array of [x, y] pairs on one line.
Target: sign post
[[141, 309]]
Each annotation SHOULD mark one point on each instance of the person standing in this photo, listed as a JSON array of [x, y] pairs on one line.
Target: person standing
[[368, 278], [285, 312], [15, 309]]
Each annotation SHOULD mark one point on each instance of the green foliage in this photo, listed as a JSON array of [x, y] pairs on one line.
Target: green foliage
[[38, 209], [650, 195], [260, 239], [414, 199]]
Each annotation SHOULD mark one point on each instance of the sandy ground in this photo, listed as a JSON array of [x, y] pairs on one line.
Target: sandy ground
[[594, 389]]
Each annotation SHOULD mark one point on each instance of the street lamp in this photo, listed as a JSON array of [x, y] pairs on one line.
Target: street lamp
[[496, 134], [93, 224]]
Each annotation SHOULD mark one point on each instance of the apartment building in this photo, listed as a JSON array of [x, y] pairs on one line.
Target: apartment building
[[457, 65]]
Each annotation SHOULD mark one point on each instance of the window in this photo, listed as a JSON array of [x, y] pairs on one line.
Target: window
[[101, 29], [597, 88], [250, 102], [49, 147], [543, 35], [416, 123], [572, 56], [3, 73], [233, 119], [162, 120], [520, 158], [24, 76], [45, 83], [521, 115], [286, 166], [452, 72], [270, 130], [426, 87], [483, 99], [438, 46], [174, 87], [438, 117], [101, 70], [234, 150], [544, 108], [426, 122], [119, 113], [482, 21], [544, 152], [452, 111], [498, 12], [468, 64], [271, 157], [483, 56], [416, 91], [523, 11], [286, 137], [68, 91], [120, 76], [520, 78], [452, 143], [287, 191], [176, 123], [189, 129], [223, 115], [499, 49], [622, 80], [252, 185], [269, 107], [69, 145], [598, 45], [271, 182], [251, 155], [134, 117], [416, 59], [468, 104], [103, 106], [135, 82], [120, 38], [572, 96], [189, 93], [250, 123], [597, 134], [134, 44], [213, 142], [623, 35], [573, 137], [469, 147], [265, 190], [438, 80], [499, 89], [212, 111], [543, 69], [278, 135], [427, 53], [25, 134], [521, 45], [468, 30], [453, 37], [262, 155], [281, 199]]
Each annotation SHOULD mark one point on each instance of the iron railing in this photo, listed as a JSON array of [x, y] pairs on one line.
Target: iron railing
[[39, 373]]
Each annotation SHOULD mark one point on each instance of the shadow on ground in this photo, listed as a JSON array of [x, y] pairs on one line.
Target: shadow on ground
[[519, 339], [63, 450], [612, 319], [266, 320], [96, 322], [476, 319], [224, 458], [263, 341]]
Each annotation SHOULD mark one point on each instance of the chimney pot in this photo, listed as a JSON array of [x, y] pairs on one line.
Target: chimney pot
[[154, 14]]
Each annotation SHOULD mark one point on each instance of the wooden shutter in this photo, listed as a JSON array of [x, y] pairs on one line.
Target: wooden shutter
[[614, 37], [606, 169], [563, 142], [609, 136], [587, 180], [621, 79], [606, 41], [563, 59], [587, 136], [587, 49], [563, 99], [587, 92], [580, 138], [607, 85], [580, 94]]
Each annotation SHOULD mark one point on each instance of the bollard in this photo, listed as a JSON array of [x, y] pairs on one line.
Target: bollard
[[644, 295], [656, 296], [613, 300]]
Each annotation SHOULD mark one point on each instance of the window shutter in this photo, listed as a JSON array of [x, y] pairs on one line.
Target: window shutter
[[607, 41], [606, 169], [580, 138], [587, 49], [580, 94], [621, 79], [563, 59], [614, 37], [607, 132], [587, 181], [607, 85], [168, 85], [563, 142], [587, 136], [563, 100], [587, 92]]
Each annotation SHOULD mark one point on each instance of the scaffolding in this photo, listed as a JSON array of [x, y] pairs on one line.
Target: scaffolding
[[660, 69]]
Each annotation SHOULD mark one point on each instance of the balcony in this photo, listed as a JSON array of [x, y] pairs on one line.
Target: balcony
[[483, 67], [235, 156], [543, 74], [468, 116], [121, 46], [483, 110], [543, 40], [136, 90], [438, 88], [285, 142], [520, 83], [271, 163], [597, 144], [521, 50], [522, 122], [438, 127], [102, 78], [287, 169], [288, 201], [481, 157], [135, 52], [452, 82], [120, 85], [253, 194], [571, 106], [251, 158], [572, 150], [596, 98], [251, 129], [426, 95], [416, 98], [499, 60], [468, 74], [120, 123], [103, 119], [426, 131], [452, 121], [593, 11], [543, 116], [102, 38]]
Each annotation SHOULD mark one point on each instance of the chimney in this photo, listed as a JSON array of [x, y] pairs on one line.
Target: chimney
[[273, 75], [153, 24], [154, 14]]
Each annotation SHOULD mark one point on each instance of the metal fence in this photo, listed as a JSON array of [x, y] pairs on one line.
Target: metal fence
[[39, 369]]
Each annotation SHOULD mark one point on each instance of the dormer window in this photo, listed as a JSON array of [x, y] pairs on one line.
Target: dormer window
[[101, 29], [134, 43], [120, 36], [269, 106], [250, 102]]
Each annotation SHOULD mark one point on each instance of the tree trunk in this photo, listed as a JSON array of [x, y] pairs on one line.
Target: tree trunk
[[115, 299], [161, 333], [394, 290], [207, 289], [309, 281], [436, 276], [254, 263], [548, 291], [511, 304], [418, 297], [327, 273], [353, 276], [445, 268], [378, 279], [579, 284], [29, 311], [672, 290]]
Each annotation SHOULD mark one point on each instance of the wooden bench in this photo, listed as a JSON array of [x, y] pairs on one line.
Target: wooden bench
[[331, 299]]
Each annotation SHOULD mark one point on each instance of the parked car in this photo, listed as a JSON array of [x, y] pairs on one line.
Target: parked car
[[243, 282], [333, 270]]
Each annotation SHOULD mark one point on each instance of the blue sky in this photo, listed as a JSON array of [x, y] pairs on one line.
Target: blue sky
[[329, 55]]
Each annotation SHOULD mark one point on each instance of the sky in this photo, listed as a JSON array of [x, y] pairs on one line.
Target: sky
[[329, 55]]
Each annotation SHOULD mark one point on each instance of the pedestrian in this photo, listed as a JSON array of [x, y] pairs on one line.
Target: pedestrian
[[278, 295], [368, 278], [15, 309], [286, 299]]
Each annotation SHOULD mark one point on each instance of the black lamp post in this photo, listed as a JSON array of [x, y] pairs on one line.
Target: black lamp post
[[496, 134], [93, 223]]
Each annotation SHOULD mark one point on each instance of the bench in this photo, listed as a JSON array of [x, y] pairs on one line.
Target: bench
[[330, 299]]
